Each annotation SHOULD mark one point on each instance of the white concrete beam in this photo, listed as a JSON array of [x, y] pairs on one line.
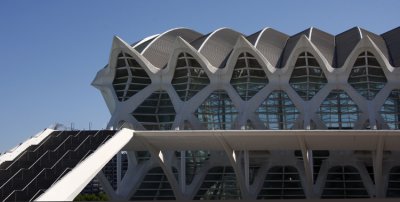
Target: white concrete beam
[[106, 186], [73, 182], [231, 154], [308, 166], [166, 167]]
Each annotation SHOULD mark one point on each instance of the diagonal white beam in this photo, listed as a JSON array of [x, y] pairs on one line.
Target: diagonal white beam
[[73, 182], [107, 186], [131, 180], [132, 161], [166, 167], [231, 154], [307, 160]]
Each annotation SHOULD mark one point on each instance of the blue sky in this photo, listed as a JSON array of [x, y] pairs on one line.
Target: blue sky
[[50, 51]]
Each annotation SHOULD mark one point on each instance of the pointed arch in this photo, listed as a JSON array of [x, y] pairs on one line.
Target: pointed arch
[[367, 76], [303, 44], [307, 77], [366, 44], [248, 77], [129, 78], [189, 76]]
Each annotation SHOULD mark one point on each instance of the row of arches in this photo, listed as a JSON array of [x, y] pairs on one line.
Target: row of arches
[[248, 77], [277, 111], [307, 80]]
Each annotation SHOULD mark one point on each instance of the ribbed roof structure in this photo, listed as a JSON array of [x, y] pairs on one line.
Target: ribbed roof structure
[[187, 71], [272, 44]]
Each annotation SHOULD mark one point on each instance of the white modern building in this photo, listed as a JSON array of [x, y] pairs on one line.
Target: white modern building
[[230, 116]]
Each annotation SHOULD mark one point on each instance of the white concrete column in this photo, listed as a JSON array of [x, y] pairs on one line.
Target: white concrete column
[[160, 157], [308, 166], [231, 154], [107, 188]]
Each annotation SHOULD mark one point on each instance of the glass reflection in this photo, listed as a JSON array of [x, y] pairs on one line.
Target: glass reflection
[[307, 77], [248, 76], [129, 77], [156, 112], [367, 76], [278, 111], [189, 77], [217, 112], [390, 111], [338, 111]]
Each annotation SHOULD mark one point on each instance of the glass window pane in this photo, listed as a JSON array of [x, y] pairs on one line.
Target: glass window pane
[[128, 80], [307, 80], [278, 111], [368, 77], [248, 77], [156, 112], [189, 77]]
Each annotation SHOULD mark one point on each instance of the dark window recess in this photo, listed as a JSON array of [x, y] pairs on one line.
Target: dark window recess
[[248, 76], [307, 77], [129, 77], [156, 112], [189, 77], [367, 76]]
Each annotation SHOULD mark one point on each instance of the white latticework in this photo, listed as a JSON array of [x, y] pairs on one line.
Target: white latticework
[[265, 81]]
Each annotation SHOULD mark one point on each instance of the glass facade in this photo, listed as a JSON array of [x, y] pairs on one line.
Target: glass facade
[[338, 111], [217, 112], [219, 184], [278, 111], [189, 77], [307, 77], [156, 112], [367, 76], [344, 182], [248, 77], [282, 182], [129, 77], [354, 103], [194, 161], [393, 190], [155, 186], [390, 111]]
